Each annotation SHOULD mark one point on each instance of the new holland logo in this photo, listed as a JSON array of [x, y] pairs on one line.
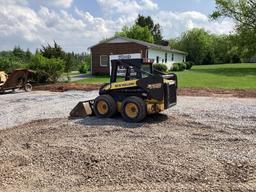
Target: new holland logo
[[155, 86]]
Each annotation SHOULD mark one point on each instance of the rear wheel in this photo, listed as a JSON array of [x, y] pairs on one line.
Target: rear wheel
[[133, 109], [28, 87], [104, 106]]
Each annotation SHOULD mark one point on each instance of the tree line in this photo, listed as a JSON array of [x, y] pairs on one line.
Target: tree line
[[50, 62], [203, 47]]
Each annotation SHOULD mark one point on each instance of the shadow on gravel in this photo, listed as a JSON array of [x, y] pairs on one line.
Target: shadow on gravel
[[9, 92], [119, 122]]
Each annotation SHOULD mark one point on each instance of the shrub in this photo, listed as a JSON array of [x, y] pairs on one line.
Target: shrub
[[9, 63], [182, 66], [189, 64], [178, 67], [160, 67], [83, 69], [48, 70]]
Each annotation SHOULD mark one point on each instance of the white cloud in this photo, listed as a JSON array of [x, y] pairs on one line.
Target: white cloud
[[174, 23], [15, 19], [130, 7], [13, 2], [149, 5], [21, 25], [57, 3]]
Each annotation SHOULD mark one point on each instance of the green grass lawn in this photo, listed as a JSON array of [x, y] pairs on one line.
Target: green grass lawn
[[228, 76], [95, 79]]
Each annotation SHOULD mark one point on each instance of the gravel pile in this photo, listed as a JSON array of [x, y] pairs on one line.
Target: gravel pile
[[24, 107], [202, 144]]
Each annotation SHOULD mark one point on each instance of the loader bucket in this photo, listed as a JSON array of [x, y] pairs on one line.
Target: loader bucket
[[83, 109]]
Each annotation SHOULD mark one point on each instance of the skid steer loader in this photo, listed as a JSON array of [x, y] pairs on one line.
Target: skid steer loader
[[141, 92]]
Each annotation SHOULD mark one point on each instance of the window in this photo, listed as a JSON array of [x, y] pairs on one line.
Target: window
[[157, 59], [165, 57], [172, 57], [103, 60]]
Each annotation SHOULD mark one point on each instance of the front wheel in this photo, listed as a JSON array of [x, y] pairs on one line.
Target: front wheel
[[28, 87], [133, 109], [104, 106]]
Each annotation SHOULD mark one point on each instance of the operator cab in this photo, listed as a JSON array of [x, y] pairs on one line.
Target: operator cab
[[133, 69]]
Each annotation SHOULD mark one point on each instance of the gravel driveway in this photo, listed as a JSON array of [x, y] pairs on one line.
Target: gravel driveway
[[24, 107], [202, 144]]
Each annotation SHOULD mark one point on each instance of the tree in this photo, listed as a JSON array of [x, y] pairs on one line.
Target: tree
[[28, 55], [8, 63], [18, 52], [137, 32], [54, 51], [155, 29], [86, 64], [157, 34], [145, 22], [244, 14], [69, 62], [197, 43], [48, 70], [206, 48], [242, 11]]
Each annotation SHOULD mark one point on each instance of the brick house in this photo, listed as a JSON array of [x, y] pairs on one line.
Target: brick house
[[124, 48]]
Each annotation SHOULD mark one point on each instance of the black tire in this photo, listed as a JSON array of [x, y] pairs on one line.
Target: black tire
[[109, 106], [28, 87], [140, 110]]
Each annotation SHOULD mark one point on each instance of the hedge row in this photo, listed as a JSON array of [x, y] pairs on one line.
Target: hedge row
[[160, 67], [176, 67], [182, 66]]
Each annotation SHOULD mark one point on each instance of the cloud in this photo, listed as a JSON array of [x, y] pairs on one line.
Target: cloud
[[16, 19], [22, 25], [174, 23], [130, 7], [13, 2], [57, 3], [149, 5]]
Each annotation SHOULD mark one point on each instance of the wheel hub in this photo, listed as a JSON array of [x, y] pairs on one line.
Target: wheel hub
[[102, 107], [131, 110]]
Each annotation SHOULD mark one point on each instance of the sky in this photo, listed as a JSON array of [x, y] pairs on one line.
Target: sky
[[79, 24]]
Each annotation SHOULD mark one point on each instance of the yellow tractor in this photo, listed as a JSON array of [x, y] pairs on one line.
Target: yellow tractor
[[140, 92]]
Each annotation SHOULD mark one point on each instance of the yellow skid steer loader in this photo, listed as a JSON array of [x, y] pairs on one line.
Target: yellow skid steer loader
[[140, 93]]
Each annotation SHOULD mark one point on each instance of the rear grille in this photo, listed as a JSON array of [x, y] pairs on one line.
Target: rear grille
[[170, 95]]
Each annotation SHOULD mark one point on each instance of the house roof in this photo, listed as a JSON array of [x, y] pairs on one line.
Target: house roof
[[148, 45]]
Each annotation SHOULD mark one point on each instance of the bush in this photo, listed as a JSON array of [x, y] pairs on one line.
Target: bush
[[48, 70], [83, 68], [178, 66], [160, 67], [182, 66], [189, 64], [8, 63]]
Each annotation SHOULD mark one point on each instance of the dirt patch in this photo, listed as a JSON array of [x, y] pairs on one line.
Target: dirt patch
[[61, 87], [156, 155], [213, 92], [241, 93]]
